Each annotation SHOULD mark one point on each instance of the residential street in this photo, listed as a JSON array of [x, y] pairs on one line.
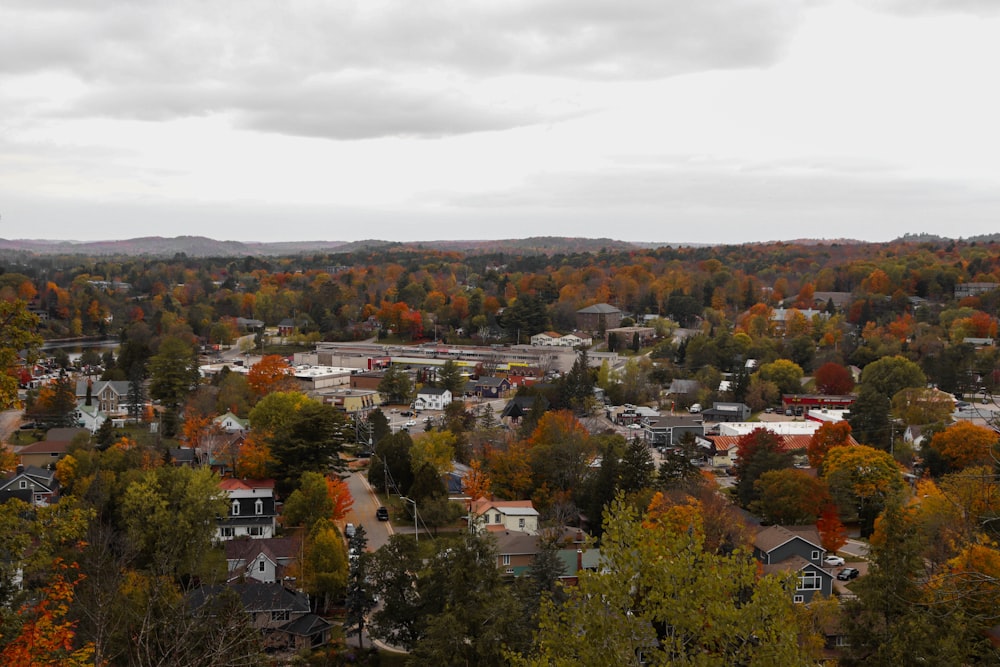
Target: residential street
[[363, 512]]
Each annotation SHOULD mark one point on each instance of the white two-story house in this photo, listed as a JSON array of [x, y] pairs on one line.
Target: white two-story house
[[251, 509]]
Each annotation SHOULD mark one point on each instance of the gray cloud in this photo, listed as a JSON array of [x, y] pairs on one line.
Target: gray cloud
[[924, 7], [751, 203], [261, 59]]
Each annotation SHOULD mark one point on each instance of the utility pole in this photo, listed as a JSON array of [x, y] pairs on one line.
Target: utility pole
[[416, 530]]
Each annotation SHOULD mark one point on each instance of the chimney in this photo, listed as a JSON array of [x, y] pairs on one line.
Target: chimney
[[579, 559], [579, 536], [20, 468]]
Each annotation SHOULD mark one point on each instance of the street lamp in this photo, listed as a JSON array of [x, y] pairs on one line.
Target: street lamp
[[416, 531]]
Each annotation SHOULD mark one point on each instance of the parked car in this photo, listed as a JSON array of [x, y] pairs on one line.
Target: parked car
[[349, 530], [695, 408], [382, 514], [410, 422], [848, 573], [833, 560]]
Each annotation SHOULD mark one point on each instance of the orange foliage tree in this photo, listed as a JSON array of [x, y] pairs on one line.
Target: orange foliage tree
[[254, 459], [965, 444], [272, 373], [340, 498], [46, 638], [826, 437], [510, 471], [476, 484], [195, 428]]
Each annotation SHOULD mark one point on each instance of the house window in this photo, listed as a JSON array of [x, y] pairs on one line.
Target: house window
[[260, 565], [496, 518], [506, 559], [280, 615], [256, 531], [815, 555], [810, 581], [236, 508], [226, 532], [520, 523], [24, 484], [798, 599], [258, 506]]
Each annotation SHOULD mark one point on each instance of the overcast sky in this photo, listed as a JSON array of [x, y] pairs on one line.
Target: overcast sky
[[708, 121]]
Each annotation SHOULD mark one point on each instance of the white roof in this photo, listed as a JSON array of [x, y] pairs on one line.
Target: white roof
[[779, 428], [517, 511]]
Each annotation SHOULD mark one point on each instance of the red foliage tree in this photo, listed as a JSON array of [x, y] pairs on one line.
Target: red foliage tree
[[831, 531], [832, 379]]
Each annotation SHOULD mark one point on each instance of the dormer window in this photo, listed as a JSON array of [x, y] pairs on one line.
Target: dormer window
[[258, 507], [236, 508]]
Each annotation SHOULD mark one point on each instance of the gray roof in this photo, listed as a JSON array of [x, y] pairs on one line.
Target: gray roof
[[256, 597], [684, 386], [514, 542], [600, 308], [773, 537]]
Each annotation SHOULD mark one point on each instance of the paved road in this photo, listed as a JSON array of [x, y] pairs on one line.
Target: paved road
[[363, 512], [856, 548], [9, 422]]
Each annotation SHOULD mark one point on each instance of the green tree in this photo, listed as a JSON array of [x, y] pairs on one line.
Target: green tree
[[359, 599], [790, 497], [276, 411], [391, 470], [638, 469], [17, 333], [173, 376], [308, 442], [396, 385], [324, 563], [578, 385], [921, 406], [454, 610], [525, 317], [888, 623], [450, 377], [309, 503], [758, 452], [890, 375], [869, 418], [437, 449], [656, 588], [862, 480], [787, 375], [170, 514]]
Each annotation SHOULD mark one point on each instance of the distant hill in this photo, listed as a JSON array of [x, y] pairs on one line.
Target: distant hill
[[200, 246]]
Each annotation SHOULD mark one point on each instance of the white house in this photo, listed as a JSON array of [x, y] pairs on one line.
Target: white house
[[553, 339], [499, 515], [264, 560], [432, 398], [251, 509], [231, 423]]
